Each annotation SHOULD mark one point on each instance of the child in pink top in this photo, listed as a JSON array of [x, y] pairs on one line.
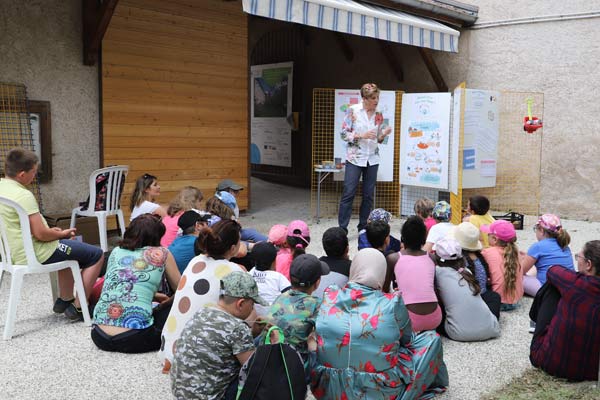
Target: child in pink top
[[503, 260], [188, 198], [298, 238], [423, 209], [415, 272]]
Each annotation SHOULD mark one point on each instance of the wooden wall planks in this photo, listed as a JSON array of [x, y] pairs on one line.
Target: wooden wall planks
[[175, 94]]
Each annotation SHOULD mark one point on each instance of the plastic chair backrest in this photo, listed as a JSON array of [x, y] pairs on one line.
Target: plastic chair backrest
[[114, 182], [5, 251]]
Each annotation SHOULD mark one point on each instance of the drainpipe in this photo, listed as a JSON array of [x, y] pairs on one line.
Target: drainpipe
[[533, 20]]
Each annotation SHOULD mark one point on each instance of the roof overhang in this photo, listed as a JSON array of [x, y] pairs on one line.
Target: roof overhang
[[357, 18]]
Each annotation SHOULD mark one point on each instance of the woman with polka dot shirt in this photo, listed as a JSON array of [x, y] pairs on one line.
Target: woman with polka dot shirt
[[200, 283]]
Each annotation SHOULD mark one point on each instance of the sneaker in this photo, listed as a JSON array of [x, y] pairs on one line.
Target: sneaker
[[531, 326], [61, 305], [73, 313]]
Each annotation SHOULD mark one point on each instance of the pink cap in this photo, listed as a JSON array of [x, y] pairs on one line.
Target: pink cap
[[298, 228], [549, 222], [503, 230], [278, 234]]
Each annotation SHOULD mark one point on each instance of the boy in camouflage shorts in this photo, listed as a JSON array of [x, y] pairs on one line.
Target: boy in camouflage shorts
[[216, 343]]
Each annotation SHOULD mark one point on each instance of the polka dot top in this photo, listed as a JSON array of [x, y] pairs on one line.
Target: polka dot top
[[199, 287]]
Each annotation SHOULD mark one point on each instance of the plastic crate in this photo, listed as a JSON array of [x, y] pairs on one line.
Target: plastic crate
[[514, 218]]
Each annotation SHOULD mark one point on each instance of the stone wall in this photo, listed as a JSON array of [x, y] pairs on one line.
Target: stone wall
[[557, 59], [41, 47]]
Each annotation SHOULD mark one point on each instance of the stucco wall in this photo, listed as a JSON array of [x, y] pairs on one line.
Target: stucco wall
[[558, 59], [40, 46]]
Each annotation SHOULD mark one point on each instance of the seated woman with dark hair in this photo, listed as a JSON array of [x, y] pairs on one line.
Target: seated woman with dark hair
[[124, 320], [566, 309], [366, 346]]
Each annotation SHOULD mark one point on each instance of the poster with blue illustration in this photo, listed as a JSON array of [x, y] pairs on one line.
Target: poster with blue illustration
[[425, 141], [270, 113]]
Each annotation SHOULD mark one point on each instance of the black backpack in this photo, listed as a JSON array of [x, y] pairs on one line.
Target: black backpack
[[274, 371]]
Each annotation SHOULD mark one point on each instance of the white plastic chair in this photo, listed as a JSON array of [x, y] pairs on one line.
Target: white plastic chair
[[116, 178], [33, 267]]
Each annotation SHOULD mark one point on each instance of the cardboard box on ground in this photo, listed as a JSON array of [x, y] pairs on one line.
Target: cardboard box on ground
[[87, 227]]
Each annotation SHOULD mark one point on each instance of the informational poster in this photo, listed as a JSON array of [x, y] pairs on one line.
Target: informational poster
[[425, 130], [455, 140], [480, 142], [344, 98], [270, 110]]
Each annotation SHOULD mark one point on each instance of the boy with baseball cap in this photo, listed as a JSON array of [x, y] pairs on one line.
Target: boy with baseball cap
[[295, 310], [182, 248], [216, 343]]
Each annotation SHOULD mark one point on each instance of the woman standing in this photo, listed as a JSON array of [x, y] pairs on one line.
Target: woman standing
[[366, 347], [363, 130]]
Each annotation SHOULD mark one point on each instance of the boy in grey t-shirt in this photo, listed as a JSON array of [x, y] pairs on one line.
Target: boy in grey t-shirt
[[216, 343]]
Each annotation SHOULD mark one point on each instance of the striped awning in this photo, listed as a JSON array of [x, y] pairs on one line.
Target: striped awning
[[348, 16]]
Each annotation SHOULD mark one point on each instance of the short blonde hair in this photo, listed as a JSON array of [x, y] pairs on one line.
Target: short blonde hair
[[368, 90], [424, 207]]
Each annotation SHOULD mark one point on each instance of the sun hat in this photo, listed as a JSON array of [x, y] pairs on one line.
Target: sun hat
[[467, 235], [242, 285], [306, 269], [442, 211], [228, 184], [227, 198], [379, 214], [549, 222], [278, 234], [503, 230], [448, 248]]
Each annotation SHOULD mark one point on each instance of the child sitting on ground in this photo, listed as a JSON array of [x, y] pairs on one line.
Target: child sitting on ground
[[414, 272], [297, 239], [295, 310], [378, 214], [182, 248], [423, 209], [467, 317], [468, 236], [478, 213], [552, 248], [335, 244], [216, 343], [188, 198], [270, 282], [503, 260], [442, 213], [378, 235]]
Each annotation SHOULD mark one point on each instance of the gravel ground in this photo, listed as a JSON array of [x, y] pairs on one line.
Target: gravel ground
[[50, 358]]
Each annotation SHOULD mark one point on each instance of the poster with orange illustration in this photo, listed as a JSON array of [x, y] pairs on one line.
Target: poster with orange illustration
[[424, 142]]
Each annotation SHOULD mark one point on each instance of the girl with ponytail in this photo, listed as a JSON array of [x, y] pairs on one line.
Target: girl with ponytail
[[200, 282], [504, 265], [551, 249], [298, 238]]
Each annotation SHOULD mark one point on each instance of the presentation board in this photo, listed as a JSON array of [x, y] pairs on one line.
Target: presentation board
[[425, 140], [480, 138]]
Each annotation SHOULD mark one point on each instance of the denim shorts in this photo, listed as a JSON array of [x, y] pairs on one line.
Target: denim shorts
[[85, 254]]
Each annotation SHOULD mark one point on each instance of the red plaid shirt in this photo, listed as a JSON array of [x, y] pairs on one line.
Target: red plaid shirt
[[570, 347]]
